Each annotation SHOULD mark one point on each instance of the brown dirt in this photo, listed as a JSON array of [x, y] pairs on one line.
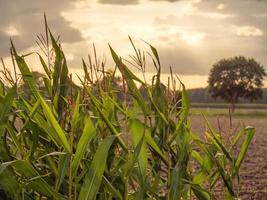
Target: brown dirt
[[253, 173]]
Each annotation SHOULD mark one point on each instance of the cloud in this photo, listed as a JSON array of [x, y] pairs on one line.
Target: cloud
[[197, 60], [239, 13], [190, 35], [221, 6], [23, 21], [191, 1], [166, 0], [11, 31], [182, 59], [181, 62], [248, 31], [260, 15], [119, 2], [192, 38], [214, 15]]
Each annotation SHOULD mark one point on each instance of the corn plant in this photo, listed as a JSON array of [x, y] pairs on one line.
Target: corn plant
[[85, 141]]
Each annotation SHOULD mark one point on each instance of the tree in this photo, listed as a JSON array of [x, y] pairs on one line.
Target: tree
[[235, 78]]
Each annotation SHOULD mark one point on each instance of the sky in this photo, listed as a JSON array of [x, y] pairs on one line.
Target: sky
[[190, 35]]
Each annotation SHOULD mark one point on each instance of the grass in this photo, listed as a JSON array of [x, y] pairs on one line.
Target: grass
[[239, 112], [104, 141], [225, 105]]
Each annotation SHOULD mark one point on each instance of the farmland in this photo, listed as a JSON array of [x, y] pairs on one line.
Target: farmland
[[222, 109], [254, 171]]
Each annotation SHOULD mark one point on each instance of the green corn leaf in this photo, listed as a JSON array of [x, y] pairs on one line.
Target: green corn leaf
[[26, 73], [225, 176], [250, 131], [60, 77], [123, 68], [197, 157], [129, 78], [46, 69], [94, 176], [133, 158], [63, 167], [219, 145], [216, 140], [48, 86], [14, 137], [106, 120], [153, 144], [57, 65], [52, 163], [75, 114], [162, 116], [9, 184], [33, 111], [5, 105], [200, 177], [40, 122], [200, 193], [137, 133], [50, 117], [115, 193], [176, 185], [86, 73], [86, 137], [36, 184], [155, 53], [240, 133], [183, 115], [150, 141], [64, 84], [214, 178]]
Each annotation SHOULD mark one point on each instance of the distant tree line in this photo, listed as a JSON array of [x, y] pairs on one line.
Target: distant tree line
[[202, 95], [196, 95]]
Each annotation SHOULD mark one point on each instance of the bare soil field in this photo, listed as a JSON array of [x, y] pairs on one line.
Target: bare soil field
[[253, 172]]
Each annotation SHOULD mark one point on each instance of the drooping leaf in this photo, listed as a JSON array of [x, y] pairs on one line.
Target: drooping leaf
[[50, 117]]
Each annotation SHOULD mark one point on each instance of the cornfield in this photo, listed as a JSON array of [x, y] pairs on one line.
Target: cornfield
[[102, 140]]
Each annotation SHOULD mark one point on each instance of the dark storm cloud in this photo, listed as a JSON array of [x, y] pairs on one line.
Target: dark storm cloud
[[119, 2], [26, 17]]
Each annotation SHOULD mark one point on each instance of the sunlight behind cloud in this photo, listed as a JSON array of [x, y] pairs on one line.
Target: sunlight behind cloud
[[12, 31], [248, 31], [221, 6], [190, 35], [178, 29], [106, 23], [193, 38]]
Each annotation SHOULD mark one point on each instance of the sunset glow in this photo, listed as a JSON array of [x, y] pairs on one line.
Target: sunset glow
[[189, 35]]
